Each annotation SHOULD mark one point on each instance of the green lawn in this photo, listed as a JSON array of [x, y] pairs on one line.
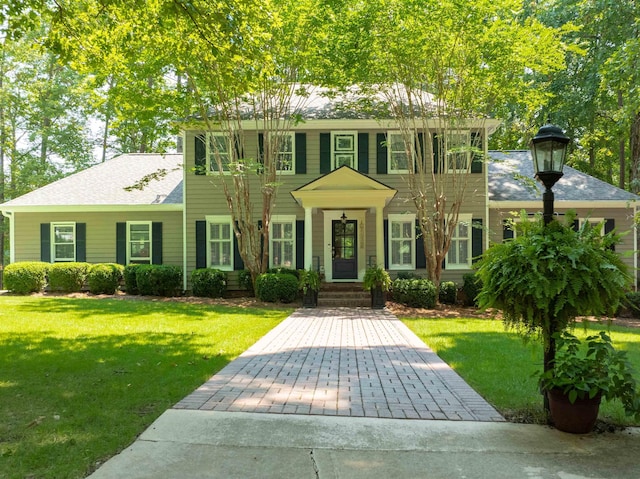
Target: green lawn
[[81, 378], [500, 366]]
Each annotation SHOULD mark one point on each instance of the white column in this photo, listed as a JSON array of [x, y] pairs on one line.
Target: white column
[[379, 237], [308, 238]]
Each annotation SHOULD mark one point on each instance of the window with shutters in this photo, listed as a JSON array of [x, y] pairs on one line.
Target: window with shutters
[[458, 151], [63, 242], [220, 242], [459, 254], [285, 158], [218, 152], [593, 222], [282, 244], [398, 157], [139, 242], [344, 149], [402, 240]]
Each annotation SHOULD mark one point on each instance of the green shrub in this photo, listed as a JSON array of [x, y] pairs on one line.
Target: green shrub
[[272, 287], [158, 280], [67, 277], [130, 281], [632, 303], [293, 272], [104, 278], [209, 282], [244, 279], [471, 287], [448, 292], [407, 275], [26, 277], [415, 293]]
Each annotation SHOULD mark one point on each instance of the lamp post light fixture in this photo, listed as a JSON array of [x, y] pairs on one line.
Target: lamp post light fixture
[[549, 150]]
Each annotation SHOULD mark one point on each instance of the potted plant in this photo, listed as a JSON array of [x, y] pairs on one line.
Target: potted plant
[[377, 280], [309, 285], [581, 377]]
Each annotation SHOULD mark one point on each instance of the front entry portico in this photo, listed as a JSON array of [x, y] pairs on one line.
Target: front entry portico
[[345, 198]]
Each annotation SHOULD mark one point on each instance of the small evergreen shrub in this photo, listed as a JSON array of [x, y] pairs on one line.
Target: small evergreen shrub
[[293, 272], [244, 279], [209, 282], [130, 280], [26, 277], [632, 303], [448, 292], [272, 287], [471, 287], [158, 280], [415, 293], [67, 277], [104, 278], [407, 275]]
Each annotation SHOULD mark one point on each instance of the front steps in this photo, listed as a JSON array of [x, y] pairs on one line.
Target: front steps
[[343, 295]]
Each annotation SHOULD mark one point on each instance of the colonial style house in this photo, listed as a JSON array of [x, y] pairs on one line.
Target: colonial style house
[[342, 205]]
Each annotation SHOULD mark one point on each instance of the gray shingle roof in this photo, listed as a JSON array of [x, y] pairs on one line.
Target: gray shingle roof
[[506, 167], [105, 183]]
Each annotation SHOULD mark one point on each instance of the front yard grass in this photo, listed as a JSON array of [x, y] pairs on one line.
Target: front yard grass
[[81, 378], [500, 366]]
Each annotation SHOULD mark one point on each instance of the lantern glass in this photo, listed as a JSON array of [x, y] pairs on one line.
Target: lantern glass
[[549, 149]]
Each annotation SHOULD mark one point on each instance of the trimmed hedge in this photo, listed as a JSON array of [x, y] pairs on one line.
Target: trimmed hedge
[[104, 278], [26, 277], [415, 293], [67, 277], [448, 292], [471, 288], [130, 281], [272, 287], [244, 278], [209, 282], [293, 272], [158, 280]]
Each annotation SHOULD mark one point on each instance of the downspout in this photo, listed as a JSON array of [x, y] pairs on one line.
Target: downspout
[[12, 252], [184, 214]]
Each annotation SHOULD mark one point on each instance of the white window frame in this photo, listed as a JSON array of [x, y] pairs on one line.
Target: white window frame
[[335, 152], [463, 219], [139, 259], [453, 145], [220, 220], [402, 218], [54, 258], [282, 219], [289, 134], [593, 221], [391, 151], [212, 163]]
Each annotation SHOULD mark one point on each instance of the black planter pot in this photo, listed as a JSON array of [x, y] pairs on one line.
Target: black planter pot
[[377, 298], [310, 299], [576, 418]]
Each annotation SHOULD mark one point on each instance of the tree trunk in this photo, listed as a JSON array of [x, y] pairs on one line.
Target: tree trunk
[[621, 151], [634, 143]]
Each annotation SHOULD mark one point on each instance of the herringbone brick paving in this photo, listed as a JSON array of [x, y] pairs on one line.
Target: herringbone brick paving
[[342, 362]]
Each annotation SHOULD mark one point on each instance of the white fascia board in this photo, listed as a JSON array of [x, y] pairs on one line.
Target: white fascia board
[[518, 205], [90, 208]]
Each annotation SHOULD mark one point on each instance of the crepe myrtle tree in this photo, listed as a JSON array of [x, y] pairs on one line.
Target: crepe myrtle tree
[[549, 275]]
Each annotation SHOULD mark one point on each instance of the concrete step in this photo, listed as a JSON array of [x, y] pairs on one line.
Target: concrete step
[[343, 295]]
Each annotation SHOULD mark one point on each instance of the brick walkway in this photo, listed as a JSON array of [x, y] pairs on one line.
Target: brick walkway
[[344, 362]]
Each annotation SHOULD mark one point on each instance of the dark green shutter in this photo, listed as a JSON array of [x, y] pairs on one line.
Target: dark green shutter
[[507, 230], [575, 226], [381, 154], [385, 227], [476, 239], [45, 242], [609, 226], [419, 152], [260, 153], [436, 153], [301, 153], [476, 158], [156, 242], [200, 156], [325, 153], [237, 145], [421, 259], [363, 152], [201, 244], [238, 264], [81, 242], [299, 244], [121, 243]]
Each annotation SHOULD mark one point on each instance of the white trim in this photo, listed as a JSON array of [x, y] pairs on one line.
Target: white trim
[[283, 219], [220, 219], [394, 171], [560, 204], [149, 257], [466, 219], [210, 153], [52, 233], [353, 151], [114, 208], [360, 217], [292, 135], [402, 218]]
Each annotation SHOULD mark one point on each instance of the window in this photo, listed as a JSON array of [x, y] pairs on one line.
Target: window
[[218, 152], [397, 153], [344, 148], [593, 222], [458, 151], [459, 255], [282, 252], [220, 242], [402, 240], [139, 242], [285, 159], [63, 242]]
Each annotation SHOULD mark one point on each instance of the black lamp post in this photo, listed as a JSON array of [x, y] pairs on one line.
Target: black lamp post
[[549, 150]]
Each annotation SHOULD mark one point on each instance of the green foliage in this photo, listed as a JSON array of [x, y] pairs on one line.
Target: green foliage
[[632, 302], [292, 272], [209, 282], [309, 280], [158, 280], [244, 278], [415, 293], [105, 278], [272, 287], [407, 275], [471, 287], [130, 281], [548, 275], [376, 277], [601, 369], [26, 277], [448, 292], [67, 277]]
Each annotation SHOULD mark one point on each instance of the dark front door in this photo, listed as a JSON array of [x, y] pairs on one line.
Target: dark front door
[[345, 252]]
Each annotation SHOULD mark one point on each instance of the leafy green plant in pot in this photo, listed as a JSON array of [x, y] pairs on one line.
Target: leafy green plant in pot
[[549, 275], [377, 280], [581, 377], [309, 284]]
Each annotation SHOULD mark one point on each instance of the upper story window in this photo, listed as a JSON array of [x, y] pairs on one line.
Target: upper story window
[[398, 158], [344, 149], [402, 240], [218, 152], [63, 242], [282, 247], [285, 159], [220, 242], [458, 150], [459, 254], [139, 242]]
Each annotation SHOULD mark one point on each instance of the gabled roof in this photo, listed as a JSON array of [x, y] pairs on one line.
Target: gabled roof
[[109, 184], [509, 170]]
